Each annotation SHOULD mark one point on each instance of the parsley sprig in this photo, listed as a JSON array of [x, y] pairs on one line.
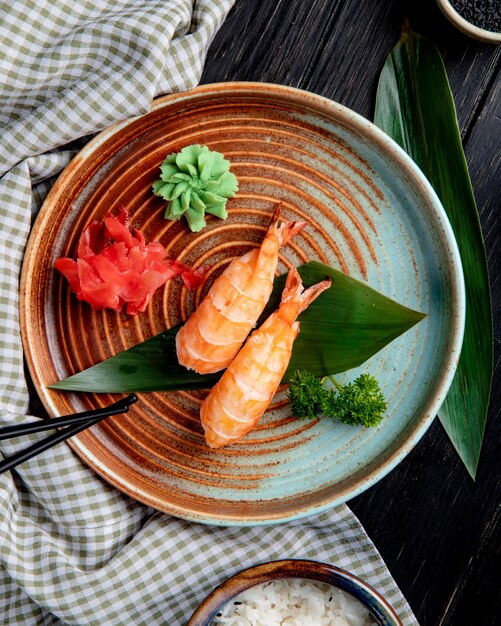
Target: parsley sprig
[[360, 402]]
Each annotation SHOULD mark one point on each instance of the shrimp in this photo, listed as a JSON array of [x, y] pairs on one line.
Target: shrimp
[[214, 333], [241, 396]]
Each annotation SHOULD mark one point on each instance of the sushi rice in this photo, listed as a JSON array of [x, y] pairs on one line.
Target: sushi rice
[[294, 602]]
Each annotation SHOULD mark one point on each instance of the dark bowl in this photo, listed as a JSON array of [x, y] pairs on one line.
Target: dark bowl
[[378, 607]]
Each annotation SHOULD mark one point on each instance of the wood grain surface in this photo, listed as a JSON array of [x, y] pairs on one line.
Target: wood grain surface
[[437, 530]]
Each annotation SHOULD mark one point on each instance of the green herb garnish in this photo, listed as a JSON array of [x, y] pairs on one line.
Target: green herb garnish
[[195, 181], [360, 403]]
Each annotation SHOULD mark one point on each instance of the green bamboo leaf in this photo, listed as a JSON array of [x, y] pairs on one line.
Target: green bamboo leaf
[[340, 330], [414, 105]]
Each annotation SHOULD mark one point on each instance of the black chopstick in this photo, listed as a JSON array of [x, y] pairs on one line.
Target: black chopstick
[[77, 423], [16, 430]]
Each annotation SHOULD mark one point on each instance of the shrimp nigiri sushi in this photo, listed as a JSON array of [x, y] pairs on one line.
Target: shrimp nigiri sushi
[[241, 396], [214, 333]]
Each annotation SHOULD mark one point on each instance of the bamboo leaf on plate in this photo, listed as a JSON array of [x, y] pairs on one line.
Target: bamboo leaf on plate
[[414, 105], [344, 327]]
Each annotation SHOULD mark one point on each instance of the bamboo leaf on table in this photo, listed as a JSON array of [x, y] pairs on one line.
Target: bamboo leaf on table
[[414, 105]]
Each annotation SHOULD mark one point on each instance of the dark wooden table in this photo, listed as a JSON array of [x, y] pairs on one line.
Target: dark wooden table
[[436, 529]]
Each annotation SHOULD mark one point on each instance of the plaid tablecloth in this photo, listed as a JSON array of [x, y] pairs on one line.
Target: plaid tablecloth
[[73, 550]]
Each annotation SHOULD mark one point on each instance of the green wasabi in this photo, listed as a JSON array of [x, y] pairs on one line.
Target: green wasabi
[[196, 181]]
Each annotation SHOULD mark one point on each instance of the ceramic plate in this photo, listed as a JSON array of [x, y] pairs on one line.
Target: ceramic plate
[[370, 213]]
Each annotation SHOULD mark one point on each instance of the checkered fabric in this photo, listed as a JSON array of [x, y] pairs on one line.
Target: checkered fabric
[[73, 550]]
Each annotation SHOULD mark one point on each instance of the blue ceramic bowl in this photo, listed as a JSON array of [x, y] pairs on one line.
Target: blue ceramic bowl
[[378, 607]]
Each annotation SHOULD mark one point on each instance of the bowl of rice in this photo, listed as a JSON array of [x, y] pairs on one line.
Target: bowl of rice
[[294, 593]]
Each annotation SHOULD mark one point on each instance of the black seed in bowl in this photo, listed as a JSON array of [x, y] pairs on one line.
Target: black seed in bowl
[[484, 14]]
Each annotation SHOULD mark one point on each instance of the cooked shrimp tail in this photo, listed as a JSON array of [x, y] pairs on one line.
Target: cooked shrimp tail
[[287, 230], [214, 333], [295, 298], [241, 396]]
